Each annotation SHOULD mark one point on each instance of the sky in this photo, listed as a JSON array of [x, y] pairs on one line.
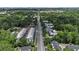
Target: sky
[[39, 3]]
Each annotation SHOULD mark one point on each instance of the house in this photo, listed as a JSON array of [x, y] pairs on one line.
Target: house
[[49, 28], [73, 47], [55, 45]]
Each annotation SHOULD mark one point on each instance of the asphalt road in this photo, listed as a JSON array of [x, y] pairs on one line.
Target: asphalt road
[[40, 43]]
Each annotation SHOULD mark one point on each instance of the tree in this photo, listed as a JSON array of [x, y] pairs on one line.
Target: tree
[[6, 46], [6, 41], [49, 47], [22, 42]]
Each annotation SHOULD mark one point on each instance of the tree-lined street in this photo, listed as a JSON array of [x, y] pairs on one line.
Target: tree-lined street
[[40, 43]]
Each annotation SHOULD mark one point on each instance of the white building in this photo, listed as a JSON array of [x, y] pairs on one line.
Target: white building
[[30, 35], [21, 33]]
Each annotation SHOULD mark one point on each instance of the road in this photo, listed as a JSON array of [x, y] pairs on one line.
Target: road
[[40, 43]]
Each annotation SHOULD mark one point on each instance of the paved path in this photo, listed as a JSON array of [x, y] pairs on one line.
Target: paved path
[[40, 43]]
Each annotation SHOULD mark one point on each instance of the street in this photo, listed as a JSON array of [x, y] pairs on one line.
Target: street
[[40, 43]]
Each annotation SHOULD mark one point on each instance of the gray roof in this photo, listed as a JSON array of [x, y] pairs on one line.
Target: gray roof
[[55, 44], [73, 47]]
